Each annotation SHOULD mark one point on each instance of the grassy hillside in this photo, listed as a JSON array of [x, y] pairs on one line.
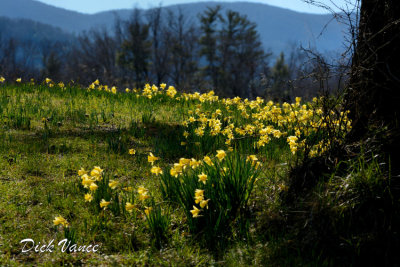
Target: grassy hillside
[[152, 176]]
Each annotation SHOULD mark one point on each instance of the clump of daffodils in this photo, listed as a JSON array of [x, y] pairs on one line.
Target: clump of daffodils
[[199, 199], [89, 179], [265, 121], [171, 91], [123, 200]]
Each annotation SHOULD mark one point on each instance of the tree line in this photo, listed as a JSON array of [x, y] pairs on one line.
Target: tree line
[[219, 50]]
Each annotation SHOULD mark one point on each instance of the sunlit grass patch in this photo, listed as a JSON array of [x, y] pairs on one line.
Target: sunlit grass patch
[[180, 177]]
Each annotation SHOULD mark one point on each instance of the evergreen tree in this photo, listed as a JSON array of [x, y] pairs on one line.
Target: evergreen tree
[[232, 50], [277, 88], [241, 54], [208, 43], [135, 53]]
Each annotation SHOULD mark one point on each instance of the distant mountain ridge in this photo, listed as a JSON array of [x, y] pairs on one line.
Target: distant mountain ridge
[[278, 27], [26, 30]]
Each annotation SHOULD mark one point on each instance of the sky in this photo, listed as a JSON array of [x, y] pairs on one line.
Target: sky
[[94, 6]]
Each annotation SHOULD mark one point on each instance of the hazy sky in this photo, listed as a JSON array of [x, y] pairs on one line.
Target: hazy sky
[[93, 6]]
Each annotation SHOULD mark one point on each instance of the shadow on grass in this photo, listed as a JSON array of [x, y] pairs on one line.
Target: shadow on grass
[[163, 139]]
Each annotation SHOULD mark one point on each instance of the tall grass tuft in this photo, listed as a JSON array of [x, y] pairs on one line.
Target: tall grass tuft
[[158, 222]]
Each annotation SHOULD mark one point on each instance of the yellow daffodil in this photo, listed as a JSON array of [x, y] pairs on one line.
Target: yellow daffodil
[[93, 187], [195, 212], [208, 160], [141, 190], [199, 131], [83, 174], [60, 220], [156, 170], [148, 210], [198, 199], [129, 207], [18, 80], [113, 184], [184, 161], [292, 140], [88, 198], [173, 172], [171, 92], [221, 154], [204, 203], [202, 178], [194, 163], [128, 189], [104, 204], [143, 193], [151, 158], [258, 164], [154, 88], [96, 172], [144, 196], [2, 79], [199, 192], [252, 158], [97, 168], [86, 181], [132, 151], [179, 167]]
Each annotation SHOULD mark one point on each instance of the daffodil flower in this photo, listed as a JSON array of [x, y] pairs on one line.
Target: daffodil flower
[[195, 212], [60, 220], [202, 177], [104, 204]]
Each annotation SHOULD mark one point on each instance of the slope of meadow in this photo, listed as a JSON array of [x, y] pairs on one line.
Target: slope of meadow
[[152, 176]]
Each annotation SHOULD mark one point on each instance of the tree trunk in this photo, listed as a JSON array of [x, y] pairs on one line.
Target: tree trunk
[[374, 90]]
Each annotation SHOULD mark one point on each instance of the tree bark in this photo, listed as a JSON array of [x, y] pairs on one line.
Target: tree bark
[[374, 89]]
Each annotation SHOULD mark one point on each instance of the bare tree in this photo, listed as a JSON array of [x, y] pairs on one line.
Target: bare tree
[[8, 58], [181, 35], [94, 58], [160, 45]]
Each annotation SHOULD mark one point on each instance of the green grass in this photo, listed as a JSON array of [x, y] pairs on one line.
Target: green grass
[[292, 211], [48, 134]]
